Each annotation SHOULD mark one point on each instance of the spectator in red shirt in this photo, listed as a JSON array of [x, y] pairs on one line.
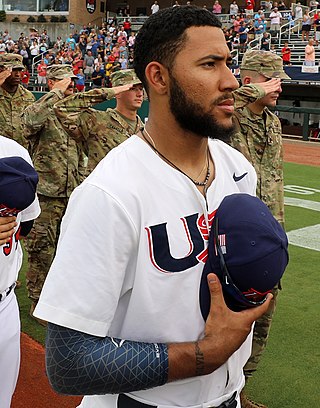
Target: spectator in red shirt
[[25, 77], [127, 26], [286, 54], [249, 7], [42, 75]]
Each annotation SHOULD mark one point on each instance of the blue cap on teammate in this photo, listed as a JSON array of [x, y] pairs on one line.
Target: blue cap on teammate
[[248, 251], [18, 183]]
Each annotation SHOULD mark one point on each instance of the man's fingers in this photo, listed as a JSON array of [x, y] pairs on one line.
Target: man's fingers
[[273, 85], [7, 223], [256, 312], [122, 88], [6, 235], [62, 84]]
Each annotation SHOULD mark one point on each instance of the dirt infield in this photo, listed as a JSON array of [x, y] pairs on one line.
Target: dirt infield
[[33, 389], [302, 152]]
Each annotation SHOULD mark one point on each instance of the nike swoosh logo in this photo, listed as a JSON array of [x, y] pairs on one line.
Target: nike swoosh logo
[[238, 178]]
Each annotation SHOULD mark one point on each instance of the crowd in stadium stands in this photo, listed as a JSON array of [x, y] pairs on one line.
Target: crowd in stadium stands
[[96, 52]]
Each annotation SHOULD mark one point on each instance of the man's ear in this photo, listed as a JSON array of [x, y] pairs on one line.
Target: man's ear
[[157, 77], [246, 80]]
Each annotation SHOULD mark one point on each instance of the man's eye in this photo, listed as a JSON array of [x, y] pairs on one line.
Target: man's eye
[[209, 64]]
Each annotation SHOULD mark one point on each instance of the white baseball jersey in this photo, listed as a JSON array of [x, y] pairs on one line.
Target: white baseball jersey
[[129, 260], [10, 263], [11, 253]]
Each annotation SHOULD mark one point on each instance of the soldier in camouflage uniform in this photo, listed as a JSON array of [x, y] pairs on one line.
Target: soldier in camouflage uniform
[[259, 137], [101, 131], [58, 160], [14, 98]]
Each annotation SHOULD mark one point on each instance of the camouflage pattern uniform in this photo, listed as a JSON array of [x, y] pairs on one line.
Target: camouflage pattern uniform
[[99, 131], [12, 105], [58, 161], [259, 138]]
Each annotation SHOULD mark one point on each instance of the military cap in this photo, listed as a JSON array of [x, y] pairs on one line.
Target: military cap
[[13, 61], [265, 63], [60, 71], [124, 77]]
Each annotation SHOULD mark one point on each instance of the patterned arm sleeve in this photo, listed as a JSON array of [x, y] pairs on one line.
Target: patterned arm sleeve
[[247, 94], [82, 364], [70, 110], [36, 114]]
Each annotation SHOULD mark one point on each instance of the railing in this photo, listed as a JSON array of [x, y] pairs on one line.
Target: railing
[[235, 56], [36, 60], [255, 44], [289, 28], [136, 20]]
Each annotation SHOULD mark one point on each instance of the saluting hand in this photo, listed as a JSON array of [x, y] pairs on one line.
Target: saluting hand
[[122, 88], [273, 85], [63, 85], [4, 75]]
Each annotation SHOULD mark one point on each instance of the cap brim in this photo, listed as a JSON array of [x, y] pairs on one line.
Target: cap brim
[[281, 75], [119, 83], [135, 82], [64, 77]]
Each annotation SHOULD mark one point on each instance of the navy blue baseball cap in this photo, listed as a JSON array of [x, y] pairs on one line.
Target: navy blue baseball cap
[[247, 250], [18, 184]]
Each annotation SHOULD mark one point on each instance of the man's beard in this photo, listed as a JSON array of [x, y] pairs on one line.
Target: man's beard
[[192, 116]]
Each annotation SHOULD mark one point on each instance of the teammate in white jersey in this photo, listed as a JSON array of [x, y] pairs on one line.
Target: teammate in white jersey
[[18, 207], [122, 296]]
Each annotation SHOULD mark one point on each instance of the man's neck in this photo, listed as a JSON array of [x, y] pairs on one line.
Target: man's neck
[[9, 88], [185, 149], [127, 113], [256, 108]]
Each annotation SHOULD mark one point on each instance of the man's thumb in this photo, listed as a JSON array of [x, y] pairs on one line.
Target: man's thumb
[[215, 288]]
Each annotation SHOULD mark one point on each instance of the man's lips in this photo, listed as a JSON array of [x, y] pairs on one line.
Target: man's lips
[[227, 105]]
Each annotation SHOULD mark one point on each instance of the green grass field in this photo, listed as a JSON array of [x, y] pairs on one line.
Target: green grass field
[[288, 374]]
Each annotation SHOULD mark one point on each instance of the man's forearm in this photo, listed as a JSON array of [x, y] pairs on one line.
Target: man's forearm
[[71, 109], [247, 94], [81, 364], [84, 100], [36, 115], [109, 365]]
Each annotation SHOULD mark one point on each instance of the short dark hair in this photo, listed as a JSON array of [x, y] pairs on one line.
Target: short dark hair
[[163, 34]]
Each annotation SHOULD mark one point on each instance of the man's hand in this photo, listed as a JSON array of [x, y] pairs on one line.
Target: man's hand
[[7, 225], [122, 88], [225, 330], [274, 85], [63, 85], [4, 75]]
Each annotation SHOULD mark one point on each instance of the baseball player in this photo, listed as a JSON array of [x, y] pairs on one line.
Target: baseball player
[[18, 207], [125, 326], [101, 131]]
